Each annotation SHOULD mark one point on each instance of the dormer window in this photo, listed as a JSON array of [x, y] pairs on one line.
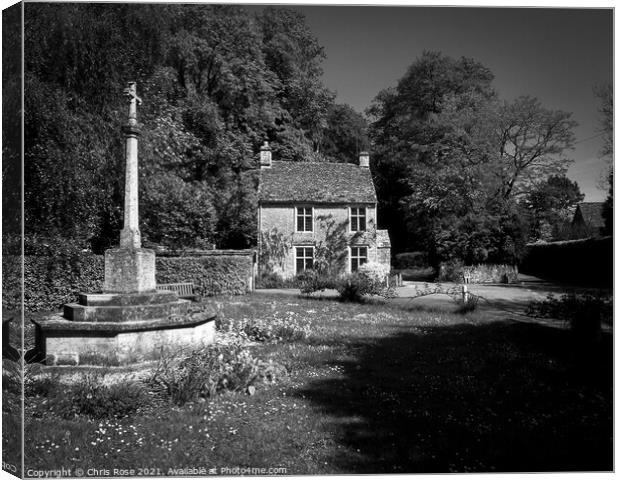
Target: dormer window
[[304, 219], [358, 219]]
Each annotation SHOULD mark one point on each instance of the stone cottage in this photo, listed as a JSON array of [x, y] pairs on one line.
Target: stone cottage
[[317, 215]]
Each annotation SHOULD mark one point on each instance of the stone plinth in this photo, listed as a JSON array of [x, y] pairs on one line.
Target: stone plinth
[[65, 342], [129, 270]]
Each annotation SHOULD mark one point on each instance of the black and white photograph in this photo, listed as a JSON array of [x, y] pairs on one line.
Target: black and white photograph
[[306, 239]]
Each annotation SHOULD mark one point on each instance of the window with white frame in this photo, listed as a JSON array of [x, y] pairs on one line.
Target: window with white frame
[[304, 219], [358, 219], [359, 256], [304, 258]]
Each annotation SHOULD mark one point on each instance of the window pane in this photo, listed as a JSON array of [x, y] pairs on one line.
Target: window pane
[[308, 265], [363, 252], [308, 223], [300, 223], [362, 224], [354, 264]]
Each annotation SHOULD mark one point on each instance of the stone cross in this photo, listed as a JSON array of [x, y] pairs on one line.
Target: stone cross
[[130, 235]]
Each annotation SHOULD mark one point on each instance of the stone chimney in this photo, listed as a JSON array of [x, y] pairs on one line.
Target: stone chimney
[[364, 160], [265, 155]]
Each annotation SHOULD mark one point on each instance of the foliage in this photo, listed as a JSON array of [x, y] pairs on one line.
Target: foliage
[[608, 207], [376, 272], [353, 287], [210, 274], [310, 281], [274, 247], [551, 205], [52, 281], [215, 81], [330, 253], [452, 161], [455, 270], [605, 94], [279, 327], [345, 136], [584, 312], [212, 370], [411, 260], [49, 281], [177, 213], [273, 280]]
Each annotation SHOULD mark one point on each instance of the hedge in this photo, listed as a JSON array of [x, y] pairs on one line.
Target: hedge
[[583, 262], [481, 273], [50, 282], [211, 275]]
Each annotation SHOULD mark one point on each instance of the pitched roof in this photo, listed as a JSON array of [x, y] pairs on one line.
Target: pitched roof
[[592, 213], [319, 182]]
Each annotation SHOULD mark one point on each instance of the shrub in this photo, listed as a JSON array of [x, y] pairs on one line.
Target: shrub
[[583, 312], [451, 271], [310, 281], [377, 273], [209, 371]]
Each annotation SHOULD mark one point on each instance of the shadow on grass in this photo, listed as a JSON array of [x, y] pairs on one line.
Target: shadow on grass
[[496, 397]]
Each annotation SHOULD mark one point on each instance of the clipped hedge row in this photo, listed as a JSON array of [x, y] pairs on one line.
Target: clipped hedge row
[[50, 282], [583, 262], [211, 275]]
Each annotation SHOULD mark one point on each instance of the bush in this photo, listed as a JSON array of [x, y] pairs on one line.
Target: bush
[[310, 281], [583, 312], [212, 370]]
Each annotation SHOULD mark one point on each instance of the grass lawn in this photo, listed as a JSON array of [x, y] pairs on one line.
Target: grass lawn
[[371, 389]]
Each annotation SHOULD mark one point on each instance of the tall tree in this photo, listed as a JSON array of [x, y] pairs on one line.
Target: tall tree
[[551, 204], [605, 95], [532, 141], [407, 137], [345, 135]]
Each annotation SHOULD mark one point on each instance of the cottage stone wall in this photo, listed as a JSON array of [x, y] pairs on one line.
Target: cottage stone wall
[[282, 218]]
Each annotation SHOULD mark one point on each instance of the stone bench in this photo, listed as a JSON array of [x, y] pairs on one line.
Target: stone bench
[[183, 290]]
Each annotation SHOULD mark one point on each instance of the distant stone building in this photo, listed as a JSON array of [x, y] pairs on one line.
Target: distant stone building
[[317, 215], [588, 219]]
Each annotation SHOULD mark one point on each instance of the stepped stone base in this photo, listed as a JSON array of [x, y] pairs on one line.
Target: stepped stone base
[[65, 342], [129, 270], [122, 328]]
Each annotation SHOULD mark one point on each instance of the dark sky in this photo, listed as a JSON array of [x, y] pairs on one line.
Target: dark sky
[[557, 55]]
